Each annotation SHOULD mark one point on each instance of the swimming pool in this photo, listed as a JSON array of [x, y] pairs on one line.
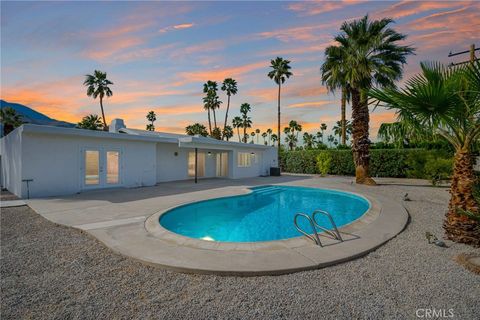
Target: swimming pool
[[265, 214]]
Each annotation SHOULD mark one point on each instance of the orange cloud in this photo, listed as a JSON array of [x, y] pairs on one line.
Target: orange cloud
[[111, 47], [220, 74], [312, 104], [408, 8], [311, 8]]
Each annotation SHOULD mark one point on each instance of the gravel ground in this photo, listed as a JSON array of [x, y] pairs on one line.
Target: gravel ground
[[51, 271]]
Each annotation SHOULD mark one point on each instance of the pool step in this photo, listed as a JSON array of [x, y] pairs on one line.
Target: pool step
[[267, 191]]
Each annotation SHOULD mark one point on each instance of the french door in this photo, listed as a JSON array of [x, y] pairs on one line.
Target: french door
[[101, 168]]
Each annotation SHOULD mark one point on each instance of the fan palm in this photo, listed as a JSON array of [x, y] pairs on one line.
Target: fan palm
[[280, 73], [446, 100], [333, 76], [369, 55], [196, 129], [308, 140], [229, 85], [237, 123], [10, 119], [91, 122], [246, 121], [98, 86], [264, 136], [227, 132], [210, 88], [323, 127], [151, 116], [269, 132]]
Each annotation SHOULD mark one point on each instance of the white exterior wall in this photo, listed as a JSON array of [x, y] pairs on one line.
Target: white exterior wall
[[11, 146], [55, 163], [264, 160]]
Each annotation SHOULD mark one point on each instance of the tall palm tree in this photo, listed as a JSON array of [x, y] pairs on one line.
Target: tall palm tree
[[98, 86], [333, 76], [207, 106], [196, 129], [91, 122], [370, 56], [269, 132], [229, 85], [151, 116], [446, 100], [10, 119], [338, 129], [237, 123], [280, 73], [257, 131], [323, 127], [246, 120], [264, 136], [210, 88], [274, 138]]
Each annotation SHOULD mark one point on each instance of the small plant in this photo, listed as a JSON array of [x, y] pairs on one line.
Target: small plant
[[324, 160]]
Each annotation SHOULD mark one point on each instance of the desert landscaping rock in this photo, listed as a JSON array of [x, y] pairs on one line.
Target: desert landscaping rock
[[51, 271]]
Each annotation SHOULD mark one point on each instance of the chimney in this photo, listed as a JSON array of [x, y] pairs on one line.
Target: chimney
[[116, 125]]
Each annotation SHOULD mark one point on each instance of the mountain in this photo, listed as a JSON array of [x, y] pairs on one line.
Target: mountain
[[31, 116]]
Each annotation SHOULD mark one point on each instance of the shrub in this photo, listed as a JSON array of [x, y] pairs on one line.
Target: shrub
[[383, 162], [324, 159], [437, 170]]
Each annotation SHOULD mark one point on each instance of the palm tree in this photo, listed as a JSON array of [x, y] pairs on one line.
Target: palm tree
[[229, 85], [98, 86], [333, 76], [237, 123], [308, 140], [10, 119], [253, 135], [369, 55], [274, 138], [257, 131], [269, 131], [323, 127], [280, 73], [207, 106], [338, 129], [330, 139], [319, 136], [151, 116], [91, 122], [446, 100], [210, 88], [196, 129], [246, 121], [227, 132], [264, 136]]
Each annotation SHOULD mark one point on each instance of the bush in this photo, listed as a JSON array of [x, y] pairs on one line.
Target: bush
[[438, 169], [324, 159], [397, 163]]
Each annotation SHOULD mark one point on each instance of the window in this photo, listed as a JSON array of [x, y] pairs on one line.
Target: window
[[112, 167], [200, 164], [244, 159], [92, 167]]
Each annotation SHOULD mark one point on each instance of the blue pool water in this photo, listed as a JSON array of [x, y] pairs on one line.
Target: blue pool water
[[265, 214]]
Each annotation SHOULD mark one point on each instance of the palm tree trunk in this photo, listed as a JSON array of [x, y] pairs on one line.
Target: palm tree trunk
[[105, 127], [278, 124], [361, 143], [344, 123], [214, 118], [238, 132], [245, 134], [461, 228], [209, 122], [226, 117]]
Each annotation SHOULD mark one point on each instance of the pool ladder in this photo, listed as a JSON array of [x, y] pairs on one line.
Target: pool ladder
[[313, 223]]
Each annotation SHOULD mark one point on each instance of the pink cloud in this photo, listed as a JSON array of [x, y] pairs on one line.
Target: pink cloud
[[311, 8]]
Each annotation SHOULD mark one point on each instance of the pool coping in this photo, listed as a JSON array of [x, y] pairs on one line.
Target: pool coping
[[153, 226], [382, 222]]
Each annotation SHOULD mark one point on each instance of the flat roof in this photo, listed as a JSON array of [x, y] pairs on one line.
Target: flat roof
[[140, 135]]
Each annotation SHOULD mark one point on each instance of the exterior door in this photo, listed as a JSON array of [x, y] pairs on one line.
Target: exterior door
[[222, 164], [101, 168]]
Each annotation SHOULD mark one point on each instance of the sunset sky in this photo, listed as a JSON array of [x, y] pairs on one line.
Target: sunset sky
[[159, 54]]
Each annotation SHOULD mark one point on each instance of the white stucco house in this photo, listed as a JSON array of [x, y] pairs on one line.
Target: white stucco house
[[59, 161]]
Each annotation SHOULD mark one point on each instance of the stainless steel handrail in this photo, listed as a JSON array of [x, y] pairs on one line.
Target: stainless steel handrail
[[315, 239], [335, 233]]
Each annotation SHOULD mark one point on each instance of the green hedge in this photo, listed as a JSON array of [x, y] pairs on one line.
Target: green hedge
[[399, 163]]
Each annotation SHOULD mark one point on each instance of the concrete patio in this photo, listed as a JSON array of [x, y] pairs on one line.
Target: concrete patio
[[120, 219]]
